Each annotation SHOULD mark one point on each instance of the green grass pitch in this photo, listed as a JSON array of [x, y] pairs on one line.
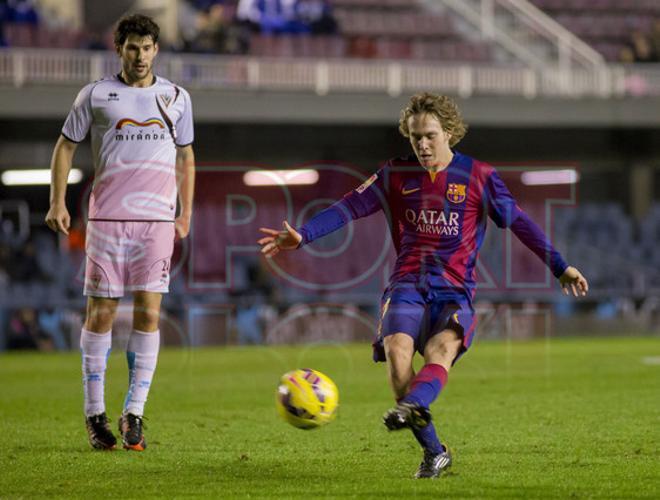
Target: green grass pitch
[[574, 418]]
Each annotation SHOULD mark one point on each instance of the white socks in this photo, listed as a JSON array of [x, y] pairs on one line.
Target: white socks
[[142, 355], [95, 348]]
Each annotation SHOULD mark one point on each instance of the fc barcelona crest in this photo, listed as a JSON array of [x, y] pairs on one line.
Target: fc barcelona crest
[[456, 192]]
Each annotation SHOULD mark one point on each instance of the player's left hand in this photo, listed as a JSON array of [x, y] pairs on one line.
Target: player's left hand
[[182, 226], [573, 281]]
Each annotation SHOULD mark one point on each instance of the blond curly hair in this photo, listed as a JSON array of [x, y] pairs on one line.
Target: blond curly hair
[[442, 107]]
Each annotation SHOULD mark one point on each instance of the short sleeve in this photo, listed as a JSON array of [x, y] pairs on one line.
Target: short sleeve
[[79, 120], [185, 134], [502, 208]]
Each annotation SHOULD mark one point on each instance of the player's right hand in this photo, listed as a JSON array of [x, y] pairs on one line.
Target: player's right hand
[[286, 239], [58, 218]]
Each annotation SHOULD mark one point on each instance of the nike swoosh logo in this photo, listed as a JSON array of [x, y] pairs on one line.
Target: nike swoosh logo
[[405, 191]]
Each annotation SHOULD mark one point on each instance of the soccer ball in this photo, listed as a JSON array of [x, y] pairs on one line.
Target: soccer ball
[[307, 399]]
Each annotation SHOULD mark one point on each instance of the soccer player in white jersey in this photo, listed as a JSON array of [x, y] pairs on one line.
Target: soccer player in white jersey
[[142, 132]]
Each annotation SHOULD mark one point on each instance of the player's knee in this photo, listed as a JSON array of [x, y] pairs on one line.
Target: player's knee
[[146, 315], [145, 321], [397, 355], [398, 347], [443, 352], [100, 315]]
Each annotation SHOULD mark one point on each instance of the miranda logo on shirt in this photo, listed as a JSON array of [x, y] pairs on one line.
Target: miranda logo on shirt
[[125, 130]]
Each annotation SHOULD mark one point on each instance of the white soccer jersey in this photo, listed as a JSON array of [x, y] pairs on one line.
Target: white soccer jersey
[[135, 132]]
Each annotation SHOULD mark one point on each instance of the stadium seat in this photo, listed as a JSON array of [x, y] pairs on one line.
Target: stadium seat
[[604, 24]]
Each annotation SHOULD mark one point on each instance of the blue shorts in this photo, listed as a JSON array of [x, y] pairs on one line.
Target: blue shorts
[[422, 312]]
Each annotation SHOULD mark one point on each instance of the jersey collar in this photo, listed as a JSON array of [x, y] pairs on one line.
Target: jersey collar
[[121, 79]]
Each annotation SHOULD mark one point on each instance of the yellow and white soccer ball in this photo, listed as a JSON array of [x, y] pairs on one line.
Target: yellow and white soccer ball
[[307, 398]]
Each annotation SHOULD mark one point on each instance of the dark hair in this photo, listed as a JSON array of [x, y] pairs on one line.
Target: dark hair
[[440, 106], [136, 24]]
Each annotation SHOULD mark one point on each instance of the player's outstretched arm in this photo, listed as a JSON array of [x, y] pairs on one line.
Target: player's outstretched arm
[[573, 281], [361, 202], [58, 218], [286, 239]]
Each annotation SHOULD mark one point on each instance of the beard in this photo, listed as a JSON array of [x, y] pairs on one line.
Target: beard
[[137, 74]]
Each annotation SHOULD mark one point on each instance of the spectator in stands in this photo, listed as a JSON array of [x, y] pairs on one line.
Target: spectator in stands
[[255, 300], [50, 323], [260, 280], [215, 30], [4, 17], [22, 12], [248, 14], [237, 38], [24, 331], [206, 4], [278, 16], [655, 39], [5, 256], [50, 18], [212, 31], [95, 41], [188, 23], [317, 16], [249, 325], [626, 55], [642, 48], [275, 17], [25, 265], [256, 14]]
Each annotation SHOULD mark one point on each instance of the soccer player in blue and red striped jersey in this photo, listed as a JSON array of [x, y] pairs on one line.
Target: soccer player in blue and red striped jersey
[[437, 202]]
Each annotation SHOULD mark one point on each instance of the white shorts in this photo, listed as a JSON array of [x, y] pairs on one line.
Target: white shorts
[[127, 256]]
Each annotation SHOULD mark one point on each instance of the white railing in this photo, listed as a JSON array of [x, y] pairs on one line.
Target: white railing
[[21, 67], [526, 32], [570, 48]]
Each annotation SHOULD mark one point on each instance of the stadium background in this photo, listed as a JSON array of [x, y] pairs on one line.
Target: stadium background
[[547, 85]]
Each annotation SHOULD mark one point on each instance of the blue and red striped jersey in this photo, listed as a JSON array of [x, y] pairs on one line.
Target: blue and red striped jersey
[[437, 221]]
